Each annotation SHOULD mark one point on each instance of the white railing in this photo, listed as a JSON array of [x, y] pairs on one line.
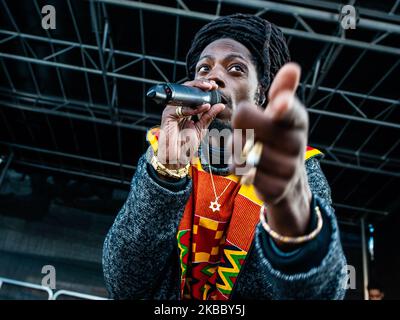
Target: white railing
[[50, 294]]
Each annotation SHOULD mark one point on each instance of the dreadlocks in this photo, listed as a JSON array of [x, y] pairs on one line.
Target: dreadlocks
[[264, 40]]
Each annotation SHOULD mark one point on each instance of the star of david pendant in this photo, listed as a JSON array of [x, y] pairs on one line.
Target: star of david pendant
[[214, 205]]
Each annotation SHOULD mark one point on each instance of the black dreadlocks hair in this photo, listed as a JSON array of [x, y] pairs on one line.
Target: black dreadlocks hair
[[264, 40]]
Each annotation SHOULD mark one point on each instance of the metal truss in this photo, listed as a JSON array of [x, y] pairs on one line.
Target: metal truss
[[103, 59]]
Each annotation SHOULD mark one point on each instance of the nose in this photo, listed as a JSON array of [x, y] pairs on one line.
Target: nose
[[216, 75]]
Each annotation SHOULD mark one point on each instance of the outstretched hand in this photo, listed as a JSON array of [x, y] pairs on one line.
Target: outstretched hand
[[282, 128]]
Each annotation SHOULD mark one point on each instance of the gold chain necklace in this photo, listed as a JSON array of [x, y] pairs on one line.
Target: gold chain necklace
[[215, 205]]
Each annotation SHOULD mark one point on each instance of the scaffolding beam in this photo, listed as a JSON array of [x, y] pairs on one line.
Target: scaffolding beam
[[291, 32]]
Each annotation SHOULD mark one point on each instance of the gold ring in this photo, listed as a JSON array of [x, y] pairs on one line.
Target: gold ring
[[178, 112], [249, 177], [247, 147], [254, 156]]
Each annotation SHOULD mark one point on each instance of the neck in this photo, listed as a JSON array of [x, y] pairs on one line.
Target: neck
[[215, 154], [217, 159], [219, 153]]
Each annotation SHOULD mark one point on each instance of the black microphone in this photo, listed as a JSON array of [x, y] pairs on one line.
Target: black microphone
[[180, 95]]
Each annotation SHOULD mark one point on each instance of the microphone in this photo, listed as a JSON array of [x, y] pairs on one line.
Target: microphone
[[180, 95]]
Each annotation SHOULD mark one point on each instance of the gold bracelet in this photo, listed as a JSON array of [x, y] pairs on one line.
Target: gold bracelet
[[161, 169], [293, 240]]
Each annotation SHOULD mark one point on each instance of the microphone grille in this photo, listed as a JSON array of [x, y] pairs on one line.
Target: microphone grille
[[215, 97]]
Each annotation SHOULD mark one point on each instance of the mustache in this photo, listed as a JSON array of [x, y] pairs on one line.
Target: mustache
[[220, 125], [225, 99]]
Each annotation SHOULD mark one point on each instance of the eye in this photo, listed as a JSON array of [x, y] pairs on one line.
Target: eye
[[203, 68], [236, 68]]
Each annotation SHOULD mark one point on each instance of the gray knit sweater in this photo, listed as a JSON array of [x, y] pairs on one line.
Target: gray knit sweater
[[140, 255]]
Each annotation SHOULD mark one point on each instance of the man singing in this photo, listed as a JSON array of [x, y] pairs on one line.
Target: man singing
[[198, 231]]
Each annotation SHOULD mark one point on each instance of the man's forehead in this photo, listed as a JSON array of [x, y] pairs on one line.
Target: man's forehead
[[225, 47]]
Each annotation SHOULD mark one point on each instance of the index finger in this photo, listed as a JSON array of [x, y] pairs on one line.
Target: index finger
[[201, 84], [287, 79]]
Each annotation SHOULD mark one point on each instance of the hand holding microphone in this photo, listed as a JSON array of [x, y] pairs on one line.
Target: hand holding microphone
[[196, 97]]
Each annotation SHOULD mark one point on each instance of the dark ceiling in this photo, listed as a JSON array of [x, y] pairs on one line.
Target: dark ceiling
[[72, 99]]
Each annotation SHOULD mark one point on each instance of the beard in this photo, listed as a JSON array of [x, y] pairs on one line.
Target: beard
[[213, 145], [218, 124], [218, 152]]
